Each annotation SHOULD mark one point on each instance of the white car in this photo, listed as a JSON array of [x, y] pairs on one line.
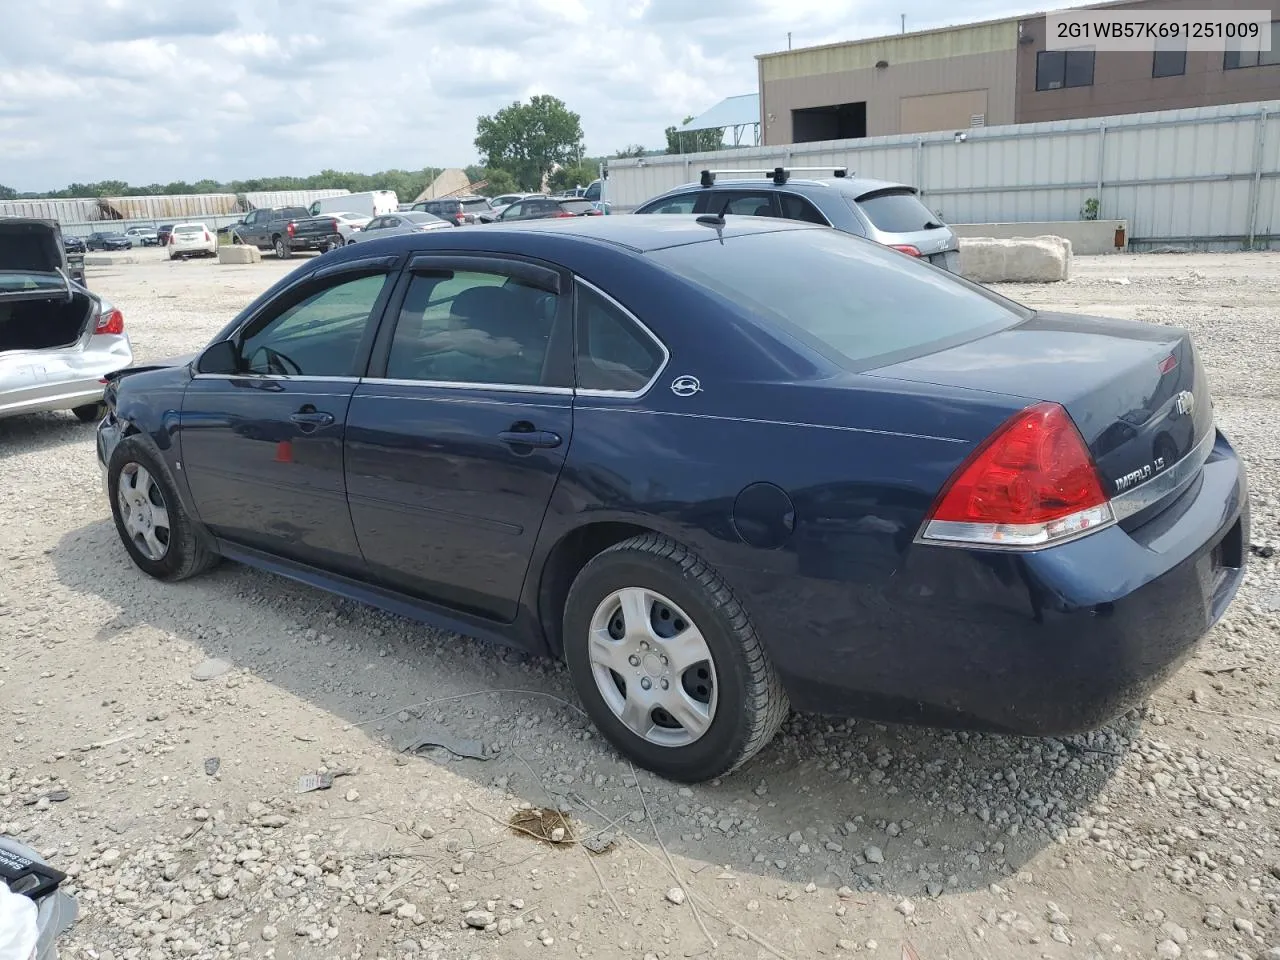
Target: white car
[[192, 240], [349, 223]]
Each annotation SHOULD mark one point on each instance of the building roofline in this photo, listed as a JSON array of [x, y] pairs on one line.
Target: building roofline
[[882, 38]]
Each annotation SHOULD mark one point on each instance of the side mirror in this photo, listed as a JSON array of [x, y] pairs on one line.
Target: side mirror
[[221, 357]]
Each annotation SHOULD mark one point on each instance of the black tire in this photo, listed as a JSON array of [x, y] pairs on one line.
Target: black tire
[[89, 412], [186, 554], [282, 249], [751, 703]]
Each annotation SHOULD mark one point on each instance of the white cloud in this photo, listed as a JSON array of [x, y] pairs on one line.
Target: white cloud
[[168, 90]]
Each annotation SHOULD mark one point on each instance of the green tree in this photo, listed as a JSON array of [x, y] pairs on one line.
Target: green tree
[[500, 181], [694, 141], [8, 193], [631, 150], [574, 175], [528, 139]]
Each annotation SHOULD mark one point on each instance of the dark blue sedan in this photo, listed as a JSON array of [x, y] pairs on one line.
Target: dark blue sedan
[[721, 468]]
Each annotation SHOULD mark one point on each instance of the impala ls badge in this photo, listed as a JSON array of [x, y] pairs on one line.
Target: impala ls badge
[[1184, 402], [685, 386]]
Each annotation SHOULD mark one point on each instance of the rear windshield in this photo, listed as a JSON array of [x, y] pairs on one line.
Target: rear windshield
[[577, 206], [475, 204], [188, 228], [420, 217], [292, 213], [897, 211], [855, 301]]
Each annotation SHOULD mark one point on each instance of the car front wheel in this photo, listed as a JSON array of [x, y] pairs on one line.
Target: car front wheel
[[149, 517], [667, 663]]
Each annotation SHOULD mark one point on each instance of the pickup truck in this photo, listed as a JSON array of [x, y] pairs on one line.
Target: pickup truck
[[286, 229]]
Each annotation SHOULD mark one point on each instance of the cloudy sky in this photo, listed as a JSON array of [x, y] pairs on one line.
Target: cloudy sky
[[160, 90]]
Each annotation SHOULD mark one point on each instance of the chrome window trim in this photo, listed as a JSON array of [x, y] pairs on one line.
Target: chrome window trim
[[469, 385], [620, 394], [1162, 484], [284, 378]]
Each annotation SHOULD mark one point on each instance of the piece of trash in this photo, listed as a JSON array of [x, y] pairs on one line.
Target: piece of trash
[[210, 670], [211, 766], [459, 747], [309, 782], [600, 843], [549, 826], [909, 952]]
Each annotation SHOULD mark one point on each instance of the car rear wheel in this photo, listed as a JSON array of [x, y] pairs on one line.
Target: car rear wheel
[[282, 248], [666, 662], [149, 517], [89, 412]]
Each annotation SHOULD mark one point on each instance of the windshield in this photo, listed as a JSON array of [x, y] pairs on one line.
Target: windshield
[[897, 210], [857, 302]]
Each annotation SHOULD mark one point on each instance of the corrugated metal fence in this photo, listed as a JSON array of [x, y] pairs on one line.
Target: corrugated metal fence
[[1207, 177], [82, 217]]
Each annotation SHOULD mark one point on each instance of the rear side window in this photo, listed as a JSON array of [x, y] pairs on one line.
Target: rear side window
[[855, 301], [896, 211], [613, 353]]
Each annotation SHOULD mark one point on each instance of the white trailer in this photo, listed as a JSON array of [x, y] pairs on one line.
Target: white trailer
[[373, 203]]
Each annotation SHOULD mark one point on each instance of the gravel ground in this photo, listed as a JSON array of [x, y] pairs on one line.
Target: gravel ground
[[172, 801]]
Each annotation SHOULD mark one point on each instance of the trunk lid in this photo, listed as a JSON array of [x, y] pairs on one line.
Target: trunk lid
[[32, 261], [1136, 391]]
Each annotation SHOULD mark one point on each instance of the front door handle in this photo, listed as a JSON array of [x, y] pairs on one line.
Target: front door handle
[[312, 418], [530, 438]]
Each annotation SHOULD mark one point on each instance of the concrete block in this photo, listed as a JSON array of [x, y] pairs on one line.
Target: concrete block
[[1088, 237], [239, 253], [1025, 260]]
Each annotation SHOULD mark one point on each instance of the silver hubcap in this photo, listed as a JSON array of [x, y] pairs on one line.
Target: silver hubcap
[[653, 668], [143, 511]]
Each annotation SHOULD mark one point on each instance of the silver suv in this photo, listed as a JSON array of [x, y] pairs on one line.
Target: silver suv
[[888, 213]]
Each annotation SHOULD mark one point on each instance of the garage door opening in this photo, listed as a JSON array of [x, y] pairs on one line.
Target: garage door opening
[[840, 121]]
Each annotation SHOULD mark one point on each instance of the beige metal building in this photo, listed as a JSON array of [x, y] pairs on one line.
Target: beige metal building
[[997, 72]]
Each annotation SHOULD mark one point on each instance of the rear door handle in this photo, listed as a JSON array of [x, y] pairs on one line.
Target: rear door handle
[[530, 438], [314, 418]]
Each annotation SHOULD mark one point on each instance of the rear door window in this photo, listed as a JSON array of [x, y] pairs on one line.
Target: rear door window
[[744, 203], [858, 303], [896, 210], [796, 207]]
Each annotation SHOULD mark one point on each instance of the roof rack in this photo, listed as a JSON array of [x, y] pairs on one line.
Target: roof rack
[[779, 175]]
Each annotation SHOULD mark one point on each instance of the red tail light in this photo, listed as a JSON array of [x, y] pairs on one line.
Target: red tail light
[[1168, 365], [207, 238], [291, 229], [564, 213], [1033, 482], [171, 236], [907, 248], [110, 320], [335, 226], [460, 217]]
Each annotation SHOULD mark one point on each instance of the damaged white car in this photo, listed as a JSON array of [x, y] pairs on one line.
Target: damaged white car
[[58, 341]]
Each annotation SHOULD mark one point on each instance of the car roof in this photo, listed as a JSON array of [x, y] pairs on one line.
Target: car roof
[[639, 234], [854, 186]]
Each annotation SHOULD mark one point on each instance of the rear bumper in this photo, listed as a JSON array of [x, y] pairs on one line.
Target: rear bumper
[[1043, 644], [315, 243], [40, 381]]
